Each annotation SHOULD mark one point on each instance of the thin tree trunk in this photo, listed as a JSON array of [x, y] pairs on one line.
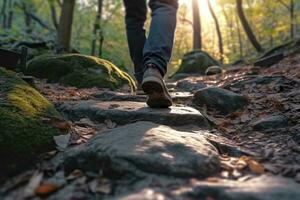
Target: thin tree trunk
[[97, 32], [292, 16], [220, 39], [247, 27], [65, 24], [10, 14], [53, 13], [27, 18], [197, 39], [239, 37], [3, 13]]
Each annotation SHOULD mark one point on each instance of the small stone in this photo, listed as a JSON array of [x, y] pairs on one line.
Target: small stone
[[219, 99], [189, 85], [213, 70], [271, 122]]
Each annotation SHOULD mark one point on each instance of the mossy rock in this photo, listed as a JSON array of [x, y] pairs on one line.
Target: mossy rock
[[23, 135], [197, 62], [79, 71]]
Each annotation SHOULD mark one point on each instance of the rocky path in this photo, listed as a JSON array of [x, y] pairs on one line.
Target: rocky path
[[236, 140]]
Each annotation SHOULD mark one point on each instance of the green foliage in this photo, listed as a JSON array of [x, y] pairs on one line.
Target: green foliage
[[23, 135], [79, 70]]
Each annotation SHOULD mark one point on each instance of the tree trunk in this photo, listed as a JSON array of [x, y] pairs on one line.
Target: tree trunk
[[10, 14], [53, 13], [65, 24], [292, 16], [247, 27], [197, 39], [27, 18], [97, 32], [220, 42], [3, 13]]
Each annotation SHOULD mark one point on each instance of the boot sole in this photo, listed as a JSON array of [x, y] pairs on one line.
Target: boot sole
[[157, 94]]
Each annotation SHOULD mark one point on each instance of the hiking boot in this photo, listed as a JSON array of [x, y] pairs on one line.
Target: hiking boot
[[155, 87]]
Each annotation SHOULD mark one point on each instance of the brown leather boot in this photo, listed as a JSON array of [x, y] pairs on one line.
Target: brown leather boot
[[155, 87]]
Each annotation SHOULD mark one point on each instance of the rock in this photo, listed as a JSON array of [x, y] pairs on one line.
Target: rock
[[262, 80], [145, 147], [79, 71], [271, 122], [189, 85], [213, 70], [265, 187], [197, 62], [118, 96], [219, 99], [123, 112], [23, 134], [269, 60], [180, 76]]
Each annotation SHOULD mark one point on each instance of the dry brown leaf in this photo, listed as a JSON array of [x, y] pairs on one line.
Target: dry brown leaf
[[256, 167], [212, 179], [253, 165], [46, 189], [59, 123]]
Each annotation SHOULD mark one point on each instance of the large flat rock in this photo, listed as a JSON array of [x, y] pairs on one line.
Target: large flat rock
[[265, 187], [149, 148], [124, 112]]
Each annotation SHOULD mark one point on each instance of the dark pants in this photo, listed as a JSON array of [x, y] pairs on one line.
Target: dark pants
[[157, 48]]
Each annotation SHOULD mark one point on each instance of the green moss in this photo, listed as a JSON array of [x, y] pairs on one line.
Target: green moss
[[79, 70], [23, 135], [197, 62]]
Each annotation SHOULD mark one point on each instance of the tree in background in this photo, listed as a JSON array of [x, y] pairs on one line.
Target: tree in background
[[246, 26], [97, 32], [197, 37], [65, 24], [220, 43]]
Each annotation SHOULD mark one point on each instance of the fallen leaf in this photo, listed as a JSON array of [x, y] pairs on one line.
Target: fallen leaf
[[62, 141], [75, 174], [253, 165], [104, 186], [59, 123], [212, 179], [46, 189], [110, 124]]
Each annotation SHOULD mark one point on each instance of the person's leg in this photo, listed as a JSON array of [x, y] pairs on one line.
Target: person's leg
[[136, 13], [157, 52], [158, 47]]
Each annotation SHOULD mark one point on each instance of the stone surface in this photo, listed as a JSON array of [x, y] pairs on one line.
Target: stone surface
[[213, 70], [123, 112], [189, 85], [197, 62], [271, 122], [79, 71], [145, 147], [219, 99], [263, 187], [23, 134], [117, 96]]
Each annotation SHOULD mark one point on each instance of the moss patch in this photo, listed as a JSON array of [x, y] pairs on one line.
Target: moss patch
[[79, 71], [196, 62], [23, 135]]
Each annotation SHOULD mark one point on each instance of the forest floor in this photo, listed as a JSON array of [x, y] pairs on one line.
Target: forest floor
[[117, 148]]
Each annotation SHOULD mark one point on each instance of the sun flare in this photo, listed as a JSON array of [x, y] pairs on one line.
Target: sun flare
[[202, 4]]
